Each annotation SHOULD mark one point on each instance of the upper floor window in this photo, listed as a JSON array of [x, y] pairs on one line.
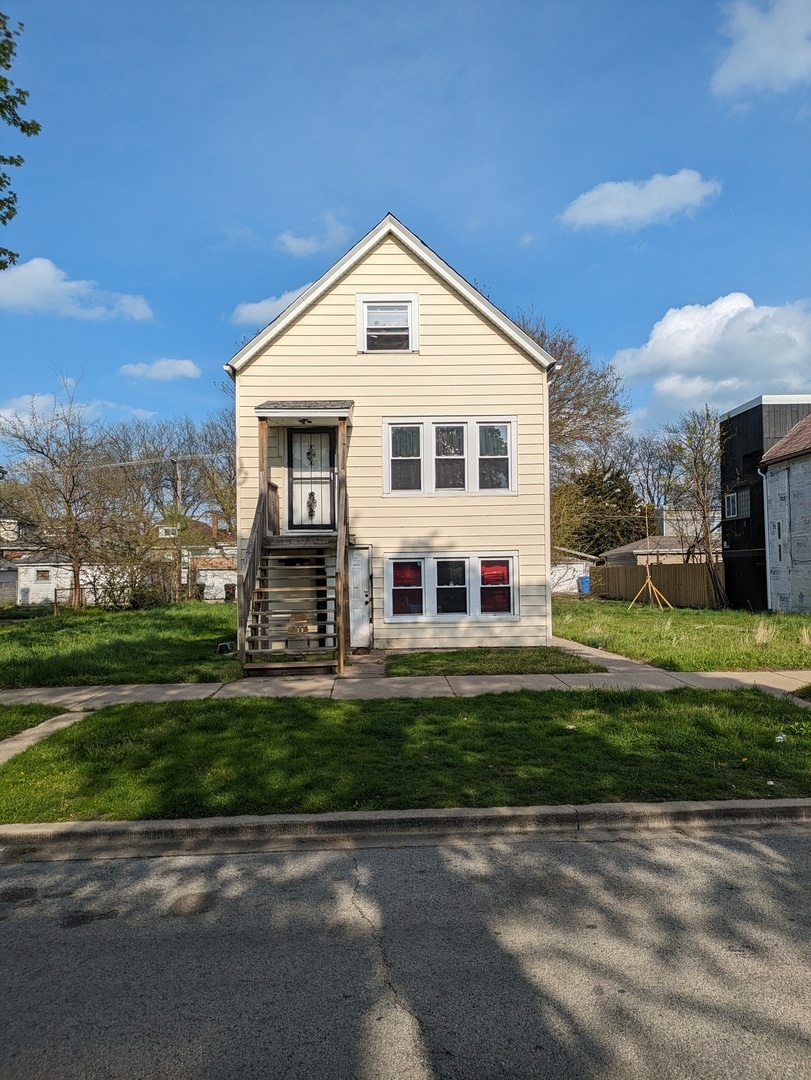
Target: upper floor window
[[435, 456], [736, 504], [388, 323]]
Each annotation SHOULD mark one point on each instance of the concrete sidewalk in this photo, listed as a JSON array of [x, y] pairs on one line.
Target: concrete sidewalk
[[365, 678]]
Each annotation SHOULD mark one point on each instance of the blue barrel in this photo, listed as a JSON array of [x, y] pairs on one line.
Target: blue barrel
[[584, 584]]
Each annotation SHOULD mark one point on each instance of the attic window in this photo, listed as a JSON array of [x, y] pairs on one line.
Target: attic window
[[387, 323]]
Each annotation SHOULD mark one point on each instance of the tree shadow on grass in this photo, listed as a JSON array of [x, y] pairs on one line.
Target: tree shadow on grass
[[266, 756], [108, 648]]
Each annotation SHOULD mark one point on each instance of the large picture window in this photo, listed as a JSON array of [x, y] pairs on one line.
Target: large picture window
[[438, 456], [450, 587]]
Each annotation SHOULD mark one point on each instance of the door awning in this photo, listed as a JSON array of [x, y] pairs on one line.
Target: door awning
[[314, 411]]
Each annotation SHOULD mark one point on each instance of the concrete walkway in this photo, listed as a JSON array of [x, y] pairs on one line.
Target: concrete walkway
[[365, 679]]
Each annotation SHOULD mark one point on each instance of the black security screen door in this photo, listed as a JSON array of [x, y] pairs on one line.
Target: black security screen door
[[311, 471]]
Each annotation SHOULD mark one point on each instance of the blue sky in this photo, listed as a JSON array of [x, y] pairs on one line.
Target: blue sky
[[637, 171]]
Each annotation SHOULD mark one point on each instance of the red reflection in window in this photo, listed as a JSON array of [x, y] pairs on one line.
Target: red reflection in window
[[407, 575], [496, 599], [495, 572]]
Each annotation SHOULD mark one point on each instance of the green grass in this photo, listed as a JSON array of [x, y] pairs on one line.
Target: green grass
[[265, 756], [94, 647], [684, 639], [19, 614], [526, 661], [17, 718]]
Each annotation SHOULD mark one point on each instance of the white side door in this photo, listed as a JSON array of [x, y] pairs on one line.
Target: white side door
[[360, 597]]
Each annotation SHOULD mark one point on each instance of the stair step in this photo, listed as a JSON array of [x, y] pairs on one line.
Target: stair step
[[293, 542], [270, 669]]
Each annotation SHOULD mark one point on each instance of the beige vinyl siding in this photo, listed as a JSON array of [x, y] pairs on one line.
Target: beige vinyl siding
[[465, 368]]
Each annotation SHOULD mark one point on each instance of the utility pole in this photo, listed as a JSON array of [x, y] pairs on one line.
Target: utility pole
[[178, 485]]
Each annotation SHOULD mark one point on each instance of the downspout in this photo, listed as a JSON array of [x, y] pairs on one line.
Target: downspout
[[762, 474], [547, 501]]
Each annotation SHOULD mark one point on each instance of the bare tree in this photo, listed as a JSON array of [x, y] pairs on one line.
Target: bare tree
[[587, 407], [218, 464], [55, 487], [695, 484]]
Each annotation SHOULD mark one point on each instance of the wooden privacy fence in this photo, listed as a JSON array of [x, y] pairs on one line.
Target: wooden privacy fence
[[684, 584]]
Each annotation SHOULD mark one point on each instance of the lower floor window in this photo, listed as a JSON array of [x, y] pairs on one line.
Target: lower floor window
[[496, 591], [432, 586], [406, 590]]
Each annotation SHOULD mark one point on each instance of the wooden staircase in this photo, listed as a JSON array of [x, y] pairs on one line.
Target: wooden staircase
[[292, 623], [292, 595]]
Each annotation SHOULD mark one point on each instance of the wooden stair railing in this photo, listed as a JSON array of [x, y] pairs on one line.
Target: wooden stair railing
[[341, 560], [265, 520]]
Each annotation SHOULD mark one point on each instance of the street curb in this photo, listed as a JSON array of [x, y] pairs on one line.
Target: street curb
[[462, 820]]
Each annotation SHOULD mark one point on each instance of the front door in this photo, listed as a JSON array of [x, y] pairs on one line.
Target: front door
[[311, 472], [360, 597]]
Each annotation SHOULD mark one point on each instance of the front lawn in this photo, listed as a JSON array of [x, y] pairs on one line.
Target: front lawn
[[527, 661], [17, 718], [269, 756], [685, 639], [93, 647]]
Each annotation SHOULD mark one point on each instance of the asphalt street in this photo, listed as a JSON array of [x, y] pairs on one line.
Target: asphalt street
[[654, 954]]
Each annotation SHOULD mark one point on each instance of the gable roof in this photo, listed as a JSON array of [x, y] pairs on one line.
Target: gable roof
[[656, 545], [390, 227], [796, 443]]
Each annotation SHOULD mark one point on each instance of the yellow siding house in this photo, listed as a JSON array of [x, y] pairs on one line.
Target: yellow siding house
[[392, 455]]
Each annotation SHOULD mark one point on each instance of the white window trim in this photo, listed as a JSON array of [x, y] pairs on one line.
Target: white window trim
[[413, 302], [429, 579], [427, 445]]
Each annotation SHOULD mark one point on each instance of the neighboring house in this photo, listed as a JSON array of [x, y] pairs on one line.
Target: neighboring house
[[747, 433], [656, 549], [685, 524], [207, 555], [40, 575], [567, 567], [392, 453], [16, 539], [214, 577], [787, 468], [199, 554]]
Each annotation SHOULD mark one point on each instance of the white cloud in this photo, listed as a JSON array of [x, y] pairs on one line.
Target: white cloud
[[770, 50], [242, 237], [263, 312], [526, 239], [39, 287], [632, 204], [22, 406], [45, 404], [723, 353], [334, 235], [162, 370]]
